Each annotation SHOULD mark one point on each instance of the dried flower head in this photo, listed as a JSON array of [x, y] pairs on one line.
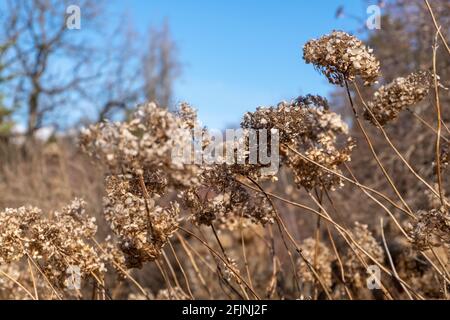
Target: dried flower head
[[56, 241], [308, 126], [144, 145], [340, 56], [226, 202], [356, 270], [114, 257], [432, 228], [142, 226], [319, 256], [388, 101]]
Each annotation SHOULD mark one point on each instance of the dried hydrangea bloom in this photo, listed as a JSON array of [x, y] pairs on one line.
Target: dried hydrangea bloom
[[308, 126], [63, 240], [425, 282], [323, 262], [432, 228], [14, 226], [227, 203], [340, 56], [141, 226], [356, 272], [114, 257], [221, 198], [388, 101], [144, 145], [140, 155], [57, 241]]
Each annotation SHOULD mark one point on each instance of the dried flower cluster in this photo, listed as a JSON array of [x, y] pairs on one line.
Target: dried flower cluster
[[141, 226], [144, 145], [388, 101], [319, 256], [414, 269], [230, 206], [309, 127], [357, 272], [432, 228], [139, 154], [340, 57], [55, 242]]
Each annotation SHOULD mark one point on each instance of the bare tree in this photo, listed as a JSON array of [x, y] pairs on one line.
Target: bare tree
[[63, 75], [161, 67], [5, 113], [51, 61]]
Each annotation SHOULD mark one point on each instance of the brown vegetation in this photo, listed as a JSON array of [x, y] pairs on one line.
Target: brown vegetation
[[348, 196]]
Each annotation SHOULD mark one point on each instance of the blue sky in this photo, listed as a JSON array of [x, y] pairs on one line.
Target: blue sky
[[238, 55]]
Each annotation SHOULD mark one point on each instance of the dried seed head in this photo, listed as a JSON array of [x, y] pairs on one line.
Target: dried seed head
[[144, 145], [228, 206], [340, 56], [432, 228], [15, 225], [363, 236], [56, 241], [415, 270], [308, 126], [141, 226], [388, 101], [323, 262]]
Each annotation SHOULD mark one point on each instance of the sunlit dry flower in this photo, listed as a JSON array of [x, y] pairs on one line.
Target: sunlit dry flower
[[432, 228], [227, 204], [56, 241], [14, 227], [319, 256], [340, 56], [309, 127], [142, 226], [357, 273], [144, 145], [388, 101]]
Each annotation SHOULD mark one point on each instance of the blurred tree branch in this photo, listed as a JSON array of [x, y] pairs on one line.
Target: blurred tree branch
[[57, 76]]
